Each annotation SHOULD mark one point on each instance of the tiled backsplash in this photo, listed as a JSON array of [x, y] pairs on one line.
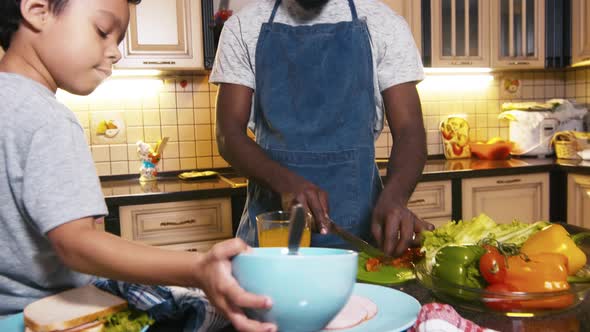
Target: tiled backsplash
[[183, 109]]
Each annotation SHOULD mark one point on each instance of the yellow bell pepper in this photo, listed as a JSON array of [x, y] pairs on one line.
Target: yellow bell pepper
[[555, 239]]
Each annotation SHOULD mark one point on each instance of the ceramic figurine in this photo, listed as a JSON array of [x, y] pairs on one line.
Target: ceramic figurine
[[149, 158]]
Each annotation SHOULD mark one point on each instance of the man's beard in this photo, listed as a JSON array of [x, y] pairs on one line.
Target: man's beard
[[311, 4]]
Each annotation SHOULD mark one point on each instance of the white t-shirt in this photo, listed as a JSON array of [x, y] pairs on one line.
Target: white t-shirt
[[396, 59]]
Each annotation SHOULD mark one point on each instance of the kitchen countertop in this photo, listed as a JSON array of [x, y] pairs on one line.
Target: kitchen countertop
[[126, 190]]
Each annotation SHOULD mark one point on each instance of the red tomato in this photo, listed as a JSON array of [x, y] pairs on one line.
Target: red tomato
[[500, 302], [492, 265]]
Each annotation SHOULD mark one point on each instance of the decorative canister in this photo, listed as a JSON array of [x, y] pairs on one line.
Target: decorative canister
[[455, 137]]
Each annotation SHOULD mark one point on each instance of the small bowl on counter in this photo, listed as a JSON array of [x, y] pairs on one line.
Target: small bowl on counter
[[491, 151]]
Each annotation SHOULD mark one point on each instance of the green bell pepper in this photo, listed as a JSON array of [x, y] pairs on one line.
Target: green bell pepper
[[459, 265]]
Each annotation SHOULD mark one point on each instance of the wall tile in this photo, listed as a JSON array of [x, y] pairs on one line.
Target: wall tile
[[151, 117], [152, 134], [184, 99], [100, 153], [187, 149], [203, 132], [103, 168], [186, 116], [119, 167], [188, 163], [171, 132], [168, 117], [167, 100], [201, 99], [118, 152], [186, 133]]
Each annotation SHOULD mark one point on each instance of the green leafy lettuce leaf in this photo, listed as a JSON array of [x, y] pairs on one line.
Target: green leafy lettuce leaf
[[127, 321]]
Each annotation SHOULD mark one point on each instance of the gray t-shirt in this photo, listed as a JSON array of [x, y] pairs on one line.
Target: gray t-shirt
[[47, 178], [396, 59]]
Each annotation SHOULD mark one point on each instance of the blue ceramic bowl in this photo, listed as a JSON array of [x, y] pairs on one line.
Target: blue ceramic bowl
[[307, 290]]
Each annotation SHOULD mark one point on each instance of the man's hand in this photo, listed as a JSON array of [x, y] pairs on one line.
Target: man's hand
[[214, 272], [312, 197], [395, 227]]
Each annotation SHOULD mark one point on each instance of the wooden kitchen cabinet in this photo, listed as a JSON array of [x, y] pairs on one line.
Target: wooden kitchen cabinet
[[578, 200], [580, 32], [518, 33], [505, 198], [183, 225], [163, 35], [431, 201], [460, 33], [411, 11]]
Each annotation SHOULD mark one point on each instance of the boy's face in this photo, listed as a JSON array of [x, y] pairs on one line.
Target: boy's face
[[79, 45]]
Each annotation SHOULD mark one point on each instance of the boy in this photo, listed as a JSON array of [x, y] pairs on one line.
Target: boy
[[49, 191]]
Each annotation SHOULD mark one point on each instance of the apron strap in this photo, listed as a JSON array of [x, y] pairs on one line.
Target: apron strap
[[278, 3], [352, 10], [274, 11]]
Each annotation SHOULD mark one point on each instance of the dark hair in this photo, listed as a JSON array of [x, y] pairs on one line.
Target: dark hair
[[10, 17]]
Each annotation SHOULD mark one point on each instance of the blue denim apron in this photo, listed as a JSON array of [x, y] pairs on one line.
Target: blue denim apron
[[314, 114]]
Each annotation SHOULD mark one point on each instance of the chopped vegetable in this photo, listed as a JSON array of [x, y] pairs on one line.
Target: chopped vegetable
[[373, 264], [555, 239]]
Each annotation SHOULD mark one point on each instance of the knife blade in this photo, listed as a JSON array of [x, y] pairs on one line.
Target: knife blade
[[360, 244]]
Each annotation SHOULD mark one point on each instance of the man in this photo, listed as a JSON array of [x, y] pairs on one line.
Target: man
[[313, 79]]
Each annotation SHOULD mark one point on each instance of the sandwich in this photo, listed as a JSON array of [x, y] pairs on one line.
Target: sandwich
[[83, 309]]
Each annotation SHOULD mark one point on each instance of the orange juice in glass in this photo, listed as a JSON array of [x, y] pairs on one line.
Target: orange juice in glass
[[273, 229]]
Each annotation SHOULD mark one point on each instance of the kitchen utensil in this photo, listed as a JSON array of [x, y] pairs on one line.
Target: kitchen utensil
[[358, 243], [296, 226], [160, 146]]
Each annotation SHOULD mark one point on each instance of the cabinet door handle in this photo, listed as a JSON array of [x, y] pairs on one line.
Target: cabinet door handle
[[184, 222], [518, 63], [159, 62], [459, 63], [508, 181], [192, 250], [416, 201]]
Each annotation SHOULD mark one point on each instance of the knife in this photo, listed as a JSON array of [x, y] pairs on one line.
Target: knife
[[360, 244], [296, 226]]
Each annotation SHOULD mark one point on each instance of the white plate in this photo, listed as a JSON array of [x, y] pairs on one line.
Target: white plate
[[397, 311]]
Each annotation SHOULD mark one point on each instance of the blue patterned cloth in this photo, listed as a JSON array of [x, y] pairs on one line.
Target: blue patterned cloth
[[169, 303]]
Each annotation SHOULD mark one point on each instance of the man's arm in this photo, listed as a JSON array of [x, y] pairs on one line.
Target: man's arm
[[408, 153], [393, 225]]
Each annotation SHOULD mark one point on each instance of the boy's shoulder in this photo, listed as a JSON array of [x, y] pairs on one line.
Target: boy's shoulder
[[30, 103]]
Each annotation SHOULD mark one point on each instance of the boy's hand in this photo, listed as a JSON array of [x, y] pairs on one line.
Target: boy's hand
[[395, 227], [223, 290]]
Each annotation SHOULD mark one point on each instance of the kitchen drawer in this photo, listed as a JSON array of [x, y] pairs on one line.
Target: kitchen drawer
[[177, 222], [201, 246], [432, 199]]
